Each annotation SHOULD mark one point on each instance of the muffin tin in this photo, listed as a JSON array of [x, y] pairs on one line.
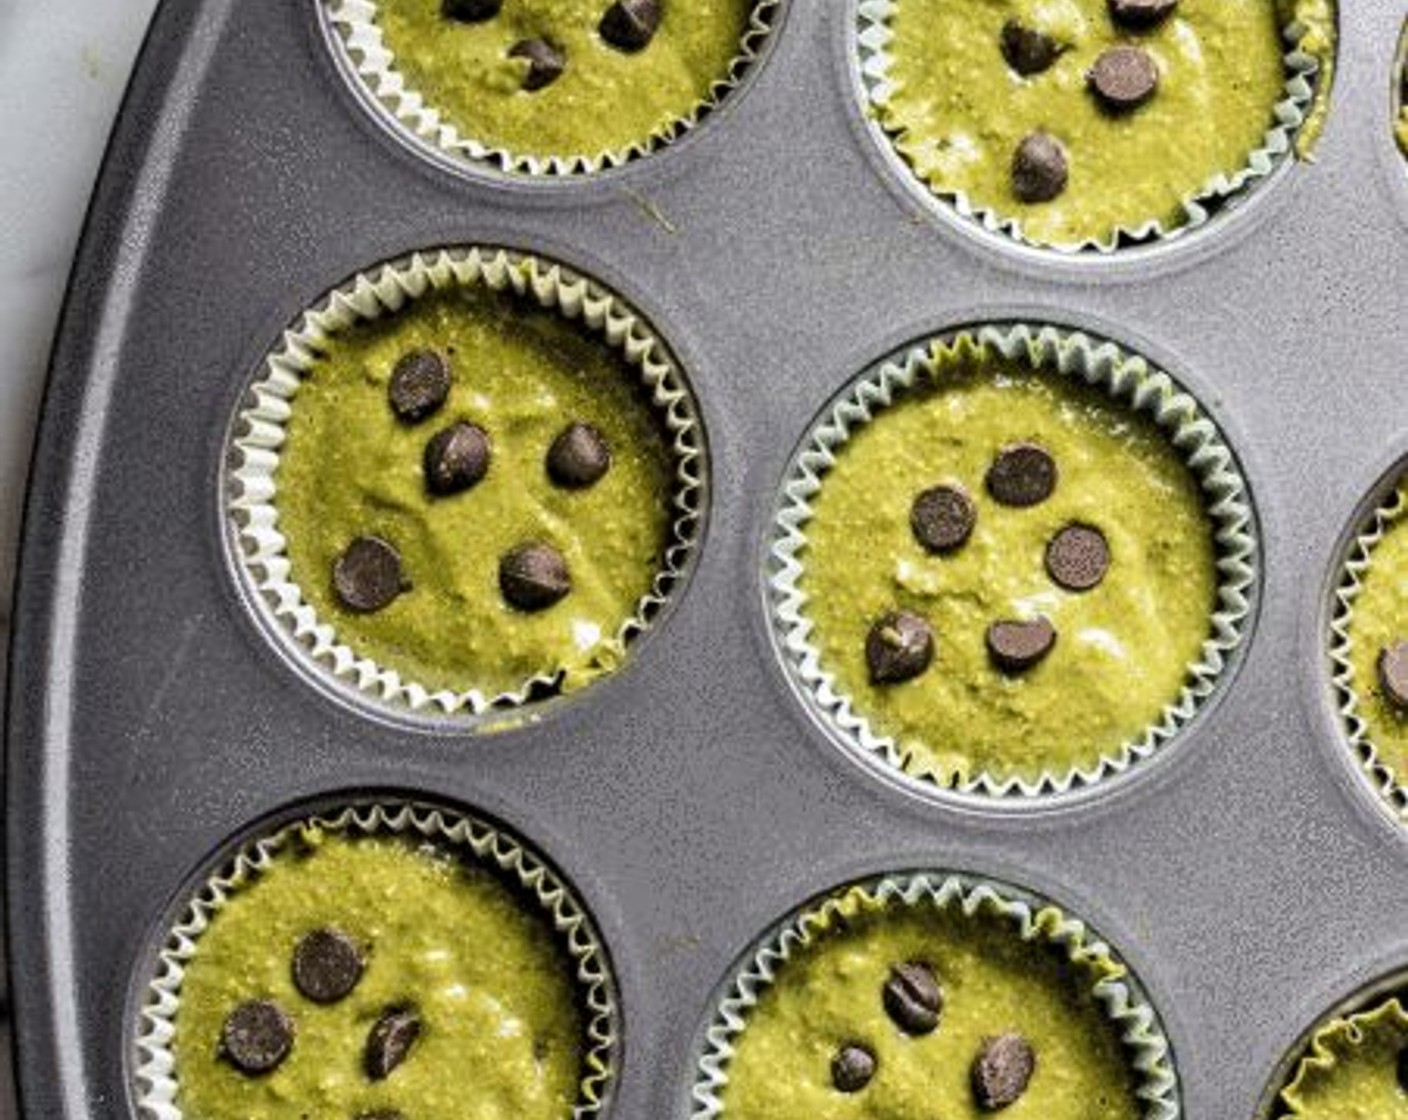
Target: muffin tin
[[1249, 874]]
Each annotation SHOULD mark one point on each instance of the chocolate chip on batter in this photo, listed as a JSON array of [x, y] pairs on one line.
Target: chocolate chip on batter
[[629, 25], [456, 458], [545, 62], [420, 383], [852, 1068], [1123, 78], [1078, 557], [1393, 673], [381, 1114], [1018, 646], [913, 998], [1002, 1070], [367, 577], [899, 647], [1141, 13], [257, 1036], [1039, 168], [1023, 474], [390, 1041], [579, 456], [533, 576], [1027, 50], [327, 965], [471, 11], [942, 519]]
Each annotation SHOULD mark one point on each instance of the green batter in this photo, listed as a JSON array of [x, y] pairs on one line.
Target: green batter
[[1351, 1071], [959, 111], [351, 468], [605, 101], [502, 1032], [829, 995], [1123, 648]]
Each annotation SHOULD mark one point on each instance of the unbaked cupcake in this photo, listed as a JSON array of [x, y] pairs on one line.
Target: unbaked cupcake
[[1354, 1066]]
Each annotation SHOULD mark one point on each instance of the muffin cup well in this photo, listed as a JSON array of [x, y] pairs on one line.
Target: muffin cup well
[[1130, 381], [874, 35], [371, 64], [260, 431], [1033, 920], [156, 1074], [1329, 1042]]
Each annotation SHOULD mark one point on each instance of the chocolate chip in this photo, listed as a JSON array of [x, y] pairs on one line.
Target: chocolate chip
[[367, 577], [852, 1068], [1039, 168], [327, 965], [913, 998], [1141, 13], [257, 1036], [899, 647], [381, 1114], [390, 1041], [579, 456], [942, 519], [1124, 78], [629, 25], [471, 11], [1002, 1071], [1078, 557], [1018, 646], [1022, 475], [456, 458], [545, 62], [1393, 673], [1027, 50], [419, 385], [533, 576]]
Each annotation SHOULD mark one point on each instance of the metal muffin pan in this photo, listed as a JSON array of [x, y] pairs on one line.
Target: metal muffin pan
[[1249, 875]]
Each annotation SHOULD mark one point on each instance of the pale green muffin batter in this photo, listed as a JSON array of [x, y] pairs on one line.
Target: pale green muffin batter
[[828, 995], [502, 1033], [1123, 649], [351, 468], [959, 112], [606, 100], [1351, 1069]]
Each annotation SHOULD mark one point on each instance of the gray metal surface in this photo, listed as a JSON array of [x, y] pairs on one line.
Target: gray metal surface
[[1248, 875]]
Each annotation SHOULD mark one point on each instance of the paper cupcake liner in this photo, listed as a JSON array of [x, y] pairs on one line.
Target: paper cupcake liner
[[156, 1074], [372, 64], [260, 432], [1390, 786], [1033, 919], [1290, 113], [1130, 381]]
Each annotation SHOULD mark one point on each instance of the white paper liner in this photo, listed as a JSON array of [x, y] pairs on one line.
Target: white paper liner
[[1129, 380], [1390, 786], [874, 37], [1032, 919], [156, 1074], [372, 63], [260, 433]]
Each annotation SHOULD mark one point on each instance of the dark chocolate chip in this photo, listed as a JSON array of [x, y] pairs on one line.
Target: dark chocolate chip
[[899, 647], [367, 577], [913, 998], [390, 1041], [852, 1068], [257, 1036], [629, 25], [1018, 646], [1141, 13], [419, 385], [1027, 50], [942, 519], [1078, 557], [1124, 78], [545, 62], [471, 11], [1393, 673], [456, 458], [1023, 474], [327, 965], [579, 456], [1039, 168], [1002, 1070], [533, 576]]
